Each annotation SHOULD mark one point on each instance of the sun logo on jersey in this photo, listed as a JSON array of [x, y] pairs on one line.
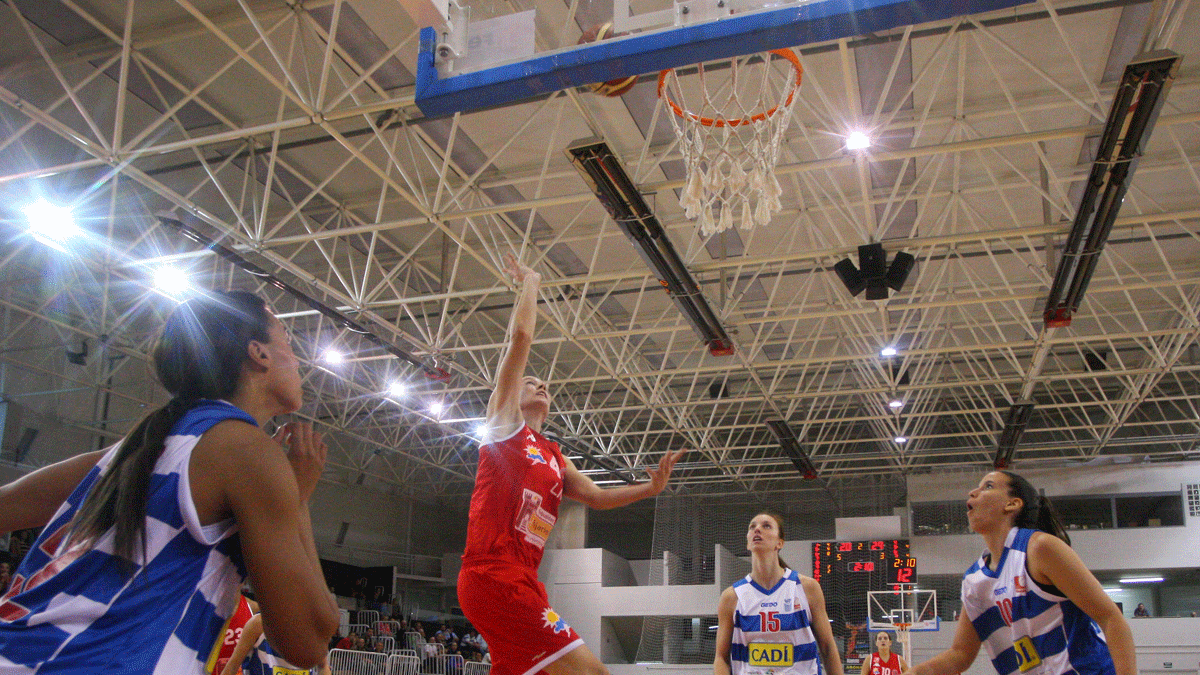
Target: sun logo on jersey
[[535, 454], [553, 620]]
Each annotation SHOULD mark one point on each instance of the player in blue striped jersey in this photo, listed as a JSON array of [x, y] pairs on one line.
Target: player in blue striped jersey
[[146, 544], [1029, 598], [773, 622]]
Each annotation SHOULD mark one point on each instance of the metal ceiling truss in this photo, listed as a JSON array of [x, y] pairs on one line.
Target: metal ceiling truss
[[305, 155]]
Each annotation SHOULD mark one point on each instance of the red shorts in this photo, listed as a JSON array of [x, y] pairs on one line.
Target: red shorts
[[508, 606]]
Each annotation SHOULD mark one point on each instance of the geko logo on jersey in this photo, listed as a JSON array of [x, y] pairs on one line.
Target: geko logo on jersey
[[770, 655], [535, 454]]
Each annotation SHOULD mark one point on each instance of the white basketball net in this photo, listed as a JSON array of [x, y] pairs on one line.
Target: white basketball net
[[730, 121]]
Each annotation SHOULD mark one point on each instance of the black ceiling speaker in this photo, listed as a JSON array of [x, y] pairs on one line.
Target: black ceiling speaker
[[873, 273]]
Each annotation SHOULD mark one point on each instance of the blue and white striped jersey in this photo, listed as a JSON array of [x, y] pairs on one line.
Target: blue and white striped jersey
[[263, 660], [772, 629], [72, 609], [1028, 629]]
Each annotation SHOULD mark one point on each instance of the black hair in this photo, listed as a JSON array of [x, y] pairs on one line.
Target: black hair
[[199, 355], [1037, 513]]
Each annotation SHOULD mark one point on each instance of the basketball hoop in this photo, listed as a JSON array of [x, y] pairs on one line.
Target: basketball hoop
[[730, 128]]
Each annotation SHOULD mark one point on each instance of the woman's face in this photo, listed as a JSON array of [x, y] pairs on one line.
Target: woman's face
[[989, 506], [883, 642], [284, 367], [534, 392], [763, 534]]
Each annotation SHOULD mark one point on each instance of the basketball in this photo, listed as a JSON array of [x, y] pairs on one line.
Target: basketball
[[614, 87]]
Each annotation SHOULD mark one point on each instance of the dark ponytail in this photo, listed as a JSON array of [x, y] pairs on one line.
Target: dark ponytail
[[1037, 513], [198, 356]]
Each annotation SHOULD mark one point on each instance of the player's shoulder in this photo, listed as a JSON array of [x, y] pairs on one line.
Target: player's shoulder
[[235, 444], [729, 597]]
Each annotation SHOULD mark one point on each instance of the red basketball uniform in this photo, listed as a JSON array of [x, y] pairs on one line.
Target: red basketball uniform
[[229, 637], [517, 492], [881, 667]]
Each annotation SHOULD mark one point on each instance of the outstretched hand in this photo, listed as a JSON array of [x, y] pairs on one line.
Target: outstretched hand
[[660, 476], [516, 269]]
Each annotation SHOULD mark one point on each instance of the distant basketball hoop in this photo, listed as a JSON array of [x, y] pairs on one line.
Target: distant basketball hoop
[[730, 121]]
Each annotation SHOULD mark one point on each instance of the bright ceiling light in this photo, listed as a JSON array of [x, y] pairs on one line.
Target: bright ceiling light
[[895, 404], [901, 439], [397, 390], [171, 280], [481, 431], [858, 140], [888, 351], [52, 225], [1142, 580], [333, 356], [436, 408]]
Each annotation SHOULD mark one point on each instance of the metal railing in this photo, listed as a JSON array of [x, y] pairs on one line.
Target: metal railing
[[367, 616], [476, 668], [414, 640], [403, 662], [387, 628], [351, 662]]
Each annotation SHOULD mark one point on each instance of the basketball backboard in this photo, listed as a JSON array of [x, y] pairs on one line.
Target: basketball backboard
[[700, 30]]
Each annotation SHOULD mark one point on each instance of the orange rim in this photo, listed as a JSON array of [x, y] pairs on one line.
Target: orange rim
[[786, 54]]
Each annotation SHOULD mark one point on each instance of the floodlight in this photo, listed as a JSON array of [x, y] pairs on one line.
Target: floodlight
[[901, 439], [436, 408], [52, 225], [171, 280], [888, 351], [334, 357], [858, 140], [397, 389], [895, 404]]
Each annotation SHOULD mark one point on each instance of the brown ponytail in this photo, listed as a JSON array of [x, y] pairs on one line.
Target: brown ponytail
[[1037, 513], [198, 356]]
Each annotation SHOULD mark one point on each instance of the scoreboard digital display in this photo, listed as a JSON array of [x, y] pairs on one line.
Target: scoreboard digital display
[[887, 563], [847, 571]]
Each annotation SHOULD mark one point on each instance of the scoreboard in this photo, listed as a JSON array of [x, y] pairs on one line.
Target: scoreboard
[[847, 570], [882, 563]]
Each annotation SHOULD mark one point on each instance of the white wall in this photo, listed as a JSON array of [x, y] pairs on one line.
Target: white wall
[[1144, 548]]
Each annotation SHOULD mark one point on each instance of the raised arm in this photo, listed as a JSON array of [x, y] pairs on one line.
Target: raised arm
[[725, 609], [820, 626], [267, 492], [1051, 559], [958, 658], [246, 641], [504, 406], [583, 489], [33, 499]]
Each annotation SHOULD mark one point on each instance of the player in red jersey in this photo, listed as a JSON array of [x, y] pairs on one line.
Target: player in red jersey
[[522, 478], [883, 661], [229, 637]]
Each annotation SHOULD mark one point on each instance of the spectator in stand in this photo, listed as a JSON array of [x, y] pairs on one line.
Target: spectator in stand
[[1141, 611], [5, 577], [348, 641]]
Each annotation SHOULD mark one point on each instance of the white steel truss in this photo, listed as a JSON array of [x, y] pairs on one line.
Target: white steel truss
[[287, 132]]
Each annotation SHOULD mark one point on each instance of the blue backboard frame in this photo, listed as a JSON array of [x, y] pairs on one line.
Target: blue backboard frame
[[649, 52]]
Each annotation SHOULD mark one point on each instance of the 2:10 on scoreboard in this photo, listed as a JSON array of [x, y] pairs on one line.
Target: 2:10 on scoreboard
[[886, 560]]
